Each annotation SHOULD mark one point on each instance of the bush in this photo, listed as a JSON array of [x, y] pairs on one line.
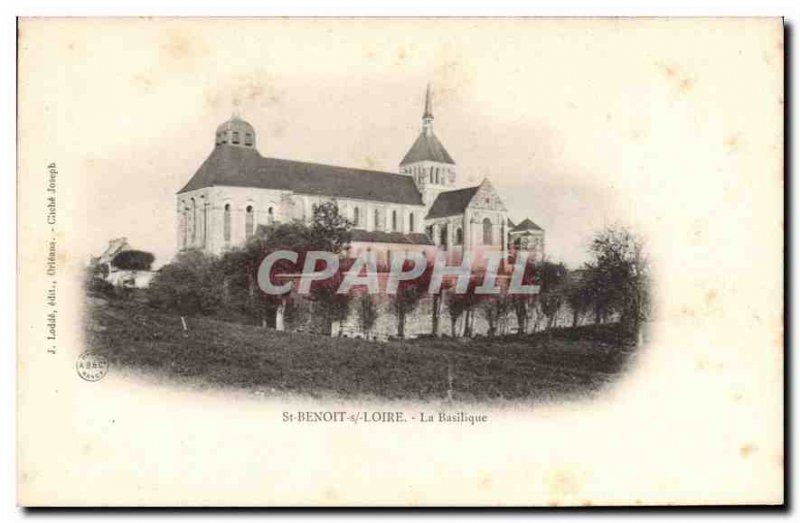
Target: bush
[[187, 285], [99, 287], [133, 260]]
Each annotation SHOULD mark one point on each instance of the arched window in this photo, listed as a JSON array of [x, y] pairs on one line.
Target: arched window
[[205, 222], [270, 216], [411, 222], [226, 223], [193, 225], [394, 220], [487, 231], [443, 235], [438, 176], [459, 236], [431, 175], [249, 222], [356, 217], [184, 224], [376, 220]]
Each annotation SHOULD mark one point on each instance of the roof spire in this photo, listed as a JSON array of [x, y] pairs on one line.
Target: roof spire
[[428, 112], [427, 116]]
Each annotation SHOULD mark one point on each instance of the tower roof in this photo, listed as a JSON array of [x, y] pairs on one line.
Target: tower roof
[[235, 131], [235, 123], [427, 146], [526, 225]]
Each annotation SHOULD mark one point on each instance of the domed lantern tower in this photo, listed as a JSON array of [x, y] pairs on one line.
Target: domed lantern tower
[[236, 132]]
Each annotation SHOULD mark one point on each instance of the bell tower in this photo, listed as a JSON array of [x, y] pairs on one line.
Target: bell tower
[[428, 162], [236, 132]]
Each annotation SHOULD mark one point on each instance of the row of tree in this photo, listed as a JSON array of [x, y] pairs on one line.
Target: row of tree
[[613, 284]]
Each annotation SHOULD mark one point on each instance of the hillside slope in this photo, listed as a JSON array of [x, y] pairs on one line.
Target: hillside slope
[[230, 354]]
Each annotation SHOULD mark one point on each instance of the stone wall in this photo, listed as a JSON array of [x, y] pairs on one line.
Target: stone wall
[[303, 315]]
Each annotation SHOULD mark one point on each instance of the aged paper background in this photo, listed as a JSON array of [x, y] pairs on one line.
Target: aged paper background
[[677, 129]]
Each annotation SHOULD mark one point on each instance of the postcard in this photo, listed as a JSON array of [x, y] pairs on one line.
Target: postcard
[[409, 262]]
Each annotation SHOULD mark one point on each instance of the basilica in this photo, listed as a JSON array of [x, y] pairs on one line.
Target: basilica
[[419, 207]]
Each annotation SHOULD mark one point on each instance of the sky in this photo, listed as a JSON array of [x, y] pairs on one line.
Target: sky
[[577, 124]]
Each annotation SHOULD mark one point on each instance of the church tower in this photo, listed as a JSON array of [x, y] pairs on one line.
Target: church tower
[[427, 161], [236, 132]]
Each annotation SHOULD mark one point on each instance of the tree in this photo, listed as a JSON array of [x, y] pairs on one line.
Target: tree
[[495, 309], [409, 294], [329, 226], [367, 314], [326, 231], [94, 281], [550, 276], [188, 284], [524, 305], [463, 304], [619, 277], [437, 299], [335, 306], [133, 260], [578, 295]]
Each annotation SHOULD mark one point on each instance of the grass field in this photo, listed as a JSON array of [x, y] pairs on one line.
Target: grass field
[[568, 363]]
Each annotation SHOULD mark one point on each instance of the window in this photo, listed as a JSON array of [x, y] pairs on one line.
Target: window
[[248, 221], [411, 222], [248, 138], [487, 231], [193, 225], [235, 137], [356, 217], [205, 222], [226, 221], [376, 223], [438, 178], [394, 220], [185, 224], [270, 216], [443, 235], [431, 175], [459, 236]]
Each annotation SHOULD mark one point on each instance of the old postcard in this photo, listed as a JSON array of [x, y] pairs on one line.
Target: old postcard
[[400, 262]]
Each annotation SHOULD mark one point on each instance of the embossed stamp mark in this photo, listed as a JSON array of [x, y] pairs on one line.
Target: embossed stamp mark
[[91, 366]]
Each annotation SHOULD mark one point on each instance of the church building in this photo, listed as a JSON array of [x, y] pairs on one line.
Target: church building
[[420, 207]]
